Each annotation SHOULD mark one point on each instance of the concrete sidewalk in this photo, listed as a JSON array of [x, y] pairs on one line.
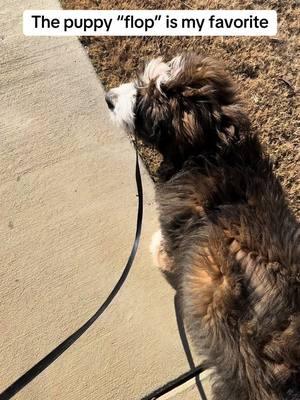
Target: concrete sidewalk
[[67, 222]]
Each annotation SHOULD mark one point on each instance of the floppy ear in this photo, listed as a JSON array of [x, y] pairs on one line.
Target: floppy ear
[[198, 119], [208, 119]]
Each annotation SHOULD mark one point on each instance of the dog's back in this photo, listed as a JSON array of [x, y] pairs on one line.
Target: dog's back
[[237, 255]]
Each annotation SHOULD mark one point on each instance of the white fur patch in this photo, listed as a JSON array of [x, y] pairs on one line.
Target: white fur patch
[[162, 72], [160, 257], [155, 69], [124, 100], [176, 66], [155, 246]]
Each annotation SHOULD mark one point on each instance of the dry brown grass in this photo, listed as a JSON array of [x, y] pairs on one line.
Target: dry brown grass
[[265, 69]]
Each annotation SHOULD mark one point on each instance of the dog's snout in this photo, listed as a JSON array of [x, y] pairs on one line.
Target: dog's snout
[[110, 100]]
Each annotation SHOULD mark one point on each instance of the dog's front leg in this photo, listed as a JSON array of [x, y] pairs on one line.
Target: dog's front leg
[[159, 254]]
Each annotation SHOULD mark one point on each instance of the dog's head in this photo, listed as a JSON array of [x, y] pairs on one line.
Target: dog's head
[[180, 107]]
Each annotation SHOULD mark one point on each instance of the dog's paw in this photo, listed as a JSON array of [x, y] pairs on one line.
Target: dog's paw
[[160, 257]]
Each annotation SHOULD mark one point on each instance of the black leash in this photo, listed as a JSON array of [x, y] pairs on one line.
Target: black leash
[[44, 363], [174, 384], [194, 371]]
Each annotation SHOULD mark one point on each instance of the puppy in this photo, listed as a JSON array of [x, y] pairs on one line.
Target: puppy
[[227, 238]]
